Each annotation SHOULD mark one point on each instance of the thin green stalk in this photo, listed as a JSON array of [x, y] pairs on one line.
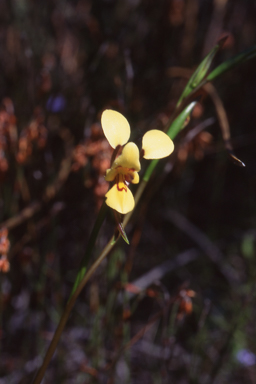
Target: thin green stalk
[[67, 311], [79, 287], [84, 264]]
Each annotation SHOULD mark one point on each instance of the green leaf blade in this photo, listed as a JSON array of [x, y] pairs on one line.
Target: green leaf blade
[[180, 122], [201, 71], [228, 64]]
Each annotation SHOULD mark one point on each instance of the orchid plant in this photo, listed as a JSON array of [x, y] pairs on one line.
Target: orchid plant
[[125, 166], [124, 169]]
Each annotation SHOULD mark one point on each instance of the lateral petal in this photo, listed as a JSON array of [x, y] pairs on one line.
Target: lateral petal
[[156, 144], [115, 127], [136, 178], [111, 174]]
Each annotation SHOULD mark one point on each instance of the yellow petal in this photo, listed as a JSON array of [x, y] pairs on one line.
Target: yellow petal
[[120, 198], [136, 178], [115, 127], [156, 144], [111, 174], [129, 158]]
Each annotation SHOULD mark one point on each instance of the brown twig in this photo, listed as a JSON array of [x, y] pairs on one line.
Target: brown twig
[[50, 192], [206, 245], [158, 272], [223, 122]]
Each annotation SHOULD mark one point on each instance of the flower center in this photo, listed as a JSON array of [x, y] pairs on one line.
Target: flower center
[[121, 182], [124, 177]]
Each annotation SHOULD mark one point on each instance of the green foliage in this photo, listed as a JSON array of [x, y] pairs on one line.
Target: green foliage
[[198, 76], [231, 63]]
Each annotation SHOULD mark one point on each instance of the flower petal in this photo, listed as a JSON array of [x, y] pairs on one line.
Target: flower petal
[[111, 174], [115, 127], [120, 198], [129, 158], [156, 144], [136, 178]]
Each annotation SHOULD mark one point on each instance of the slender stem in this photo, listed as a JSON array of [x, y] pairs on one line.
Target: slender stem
[[80, 286], [94, 234], [137, 197], [55, 340], [67, 311], [80, 282]]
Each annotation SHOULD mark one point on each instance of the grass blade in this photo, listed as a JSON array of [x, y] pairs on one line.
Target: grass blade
[[227, 65], [201, 71]]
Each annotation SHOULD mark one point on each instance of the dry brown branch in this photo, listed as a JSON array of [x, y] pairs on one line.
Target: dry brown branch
[[203, 241], [50, 191], [158, 272]]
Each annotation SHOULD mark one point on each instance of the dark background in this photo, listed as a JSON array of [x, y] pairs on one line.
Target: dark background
[[61, 64]]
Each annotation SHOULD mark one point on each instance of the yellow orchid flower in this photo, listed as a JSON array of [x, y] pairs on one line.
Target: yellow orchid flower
[[124, 170]]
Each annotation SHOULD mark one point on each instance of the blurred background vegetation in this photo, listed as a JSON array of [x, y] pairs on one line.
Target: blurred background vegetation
[[178, 304]]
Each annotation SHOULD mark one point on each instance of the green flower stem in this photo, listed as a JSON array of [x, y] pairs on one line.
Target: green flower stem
[[81, 280], [137, 197], [72, 300], [150, 170], [67, 311], [83, 266]]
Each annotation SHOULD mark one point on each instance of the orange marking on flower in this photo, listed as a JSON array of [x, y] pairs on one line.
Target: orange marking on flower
[[121, 179], [122, 188]]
